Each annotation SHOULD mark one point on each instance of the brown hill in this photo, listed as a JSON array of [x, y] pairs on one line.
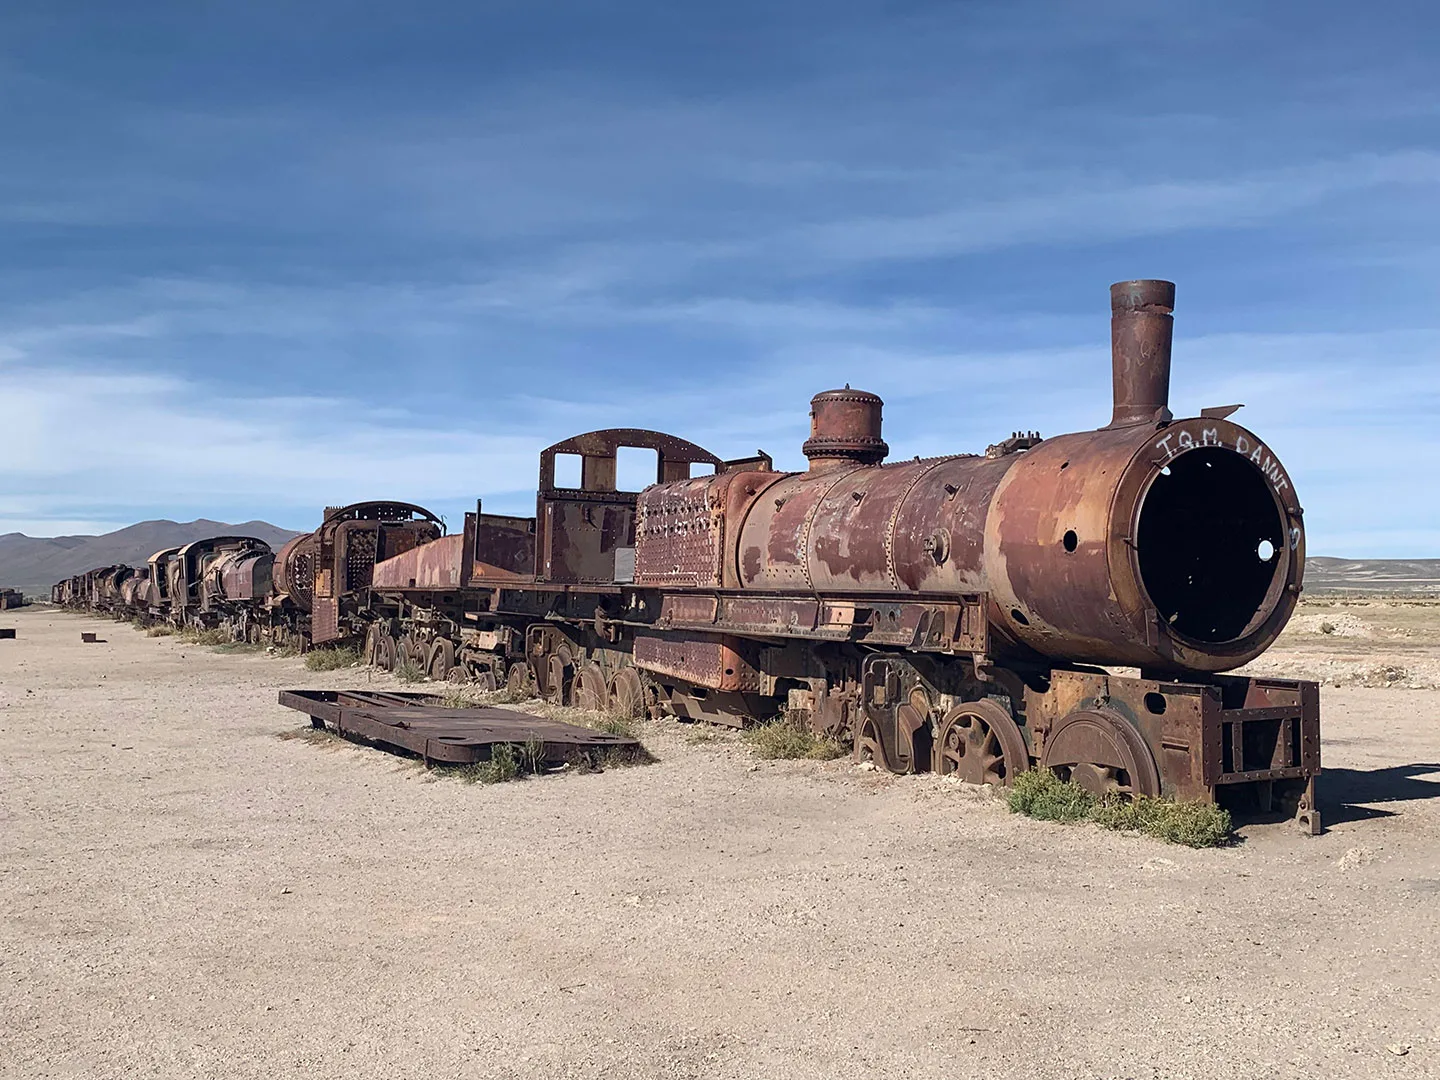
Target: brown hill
[[33, 563]]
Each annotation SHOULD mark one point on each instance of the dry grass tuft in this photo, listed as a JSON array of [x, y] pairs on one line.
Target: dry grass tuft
[[160, 630], [214, 636], [314, 736], [331, 659], [409, 673], [785, 739], [238, 647]]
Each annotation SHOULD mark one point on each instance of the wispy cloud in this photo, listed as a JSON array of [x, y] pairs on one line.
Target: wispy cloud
[[313, 275]]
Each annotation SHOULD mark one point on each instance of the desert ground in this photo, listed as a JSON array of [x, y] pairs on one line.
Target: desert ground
[[186, 893]]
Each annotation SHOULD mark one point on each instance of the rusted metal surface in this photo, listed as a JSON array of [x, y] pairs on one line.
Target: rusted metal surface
[[579, 530], [349, 544], [1199, 740], [11, 598], [680, 533], [419, 724], [436, 565], [1141, 328], [845, 429], [1156, 543], [498, 547], [718, 662], [295, 570]]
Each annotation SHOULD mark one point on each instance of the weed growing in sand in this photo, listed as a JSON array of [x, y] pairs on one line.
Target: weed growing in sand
[[213, 636], [409, 672], [331, 659], [315, 736], [504, 764], [232, 647], [1193, 824], [470, 697], [160, 630], [783, 738], [1039, 793]]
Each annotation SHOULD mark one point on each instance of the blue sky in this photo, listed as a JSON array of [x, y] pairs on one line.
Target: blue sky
[[262, 257]]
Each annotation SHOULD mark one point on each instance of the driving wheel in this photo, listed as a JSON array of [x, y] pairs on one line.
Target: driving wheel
[[980, 743], [590, 690], [1103, 753]]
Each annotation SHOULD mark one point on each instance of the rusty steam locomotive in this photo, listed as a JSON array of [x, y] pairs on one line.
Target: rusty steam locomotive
[[965, 614]]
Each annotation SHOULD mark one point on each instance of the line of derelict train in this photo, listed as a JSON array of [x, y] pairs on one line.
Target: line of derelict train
[[964, 614]]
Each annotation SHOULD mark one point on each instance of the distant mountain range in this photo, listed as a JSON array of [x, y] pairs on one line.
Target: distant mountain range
[[1389, 576], [34, 563]]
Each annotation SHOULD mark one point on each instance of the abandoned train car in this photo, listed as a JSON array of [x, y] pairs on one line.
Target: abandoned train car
[[962, 613]]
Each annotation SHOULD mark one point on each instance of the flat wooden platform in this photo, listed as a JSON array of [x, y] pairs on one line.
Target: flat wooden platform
[[420, 724]]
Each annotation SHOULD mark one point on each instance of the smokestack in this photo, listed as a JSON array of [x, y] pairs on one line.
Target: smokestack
[[845, 429], [1141, 328]]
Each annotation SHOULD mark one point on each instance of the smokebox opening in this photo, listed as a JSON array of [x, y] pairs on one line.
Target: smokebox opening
[[1210, 544]]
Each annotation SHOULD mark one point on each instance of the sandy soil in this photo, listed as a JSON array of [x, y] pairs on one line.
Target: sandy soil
[[185, 894]]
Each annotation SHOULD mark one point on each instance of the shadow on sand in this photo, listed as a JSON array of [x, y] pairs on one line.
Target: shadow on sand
[[1344, 793]]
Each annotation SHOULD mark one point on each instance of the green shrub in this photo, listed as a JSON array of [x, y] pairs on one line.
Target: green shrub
[[1193, 824], [1038, 793], [331, 659], [504, 764]]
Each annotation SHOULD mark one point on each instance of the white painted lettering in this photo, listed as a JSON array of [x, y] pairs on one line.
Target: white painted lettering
[[1242, 447], [1186, 441], [1210, 437], [1164, 444]]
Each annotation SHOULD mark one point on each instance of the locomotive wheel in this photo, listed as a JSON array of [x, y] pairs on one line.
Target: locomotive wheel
[[980, 743], [1103, 753], [386, 653], [485, 679], [372, 645], [559, 678], [627, 693], [405, 652], [868, 747], [590, 690], [440, 660]]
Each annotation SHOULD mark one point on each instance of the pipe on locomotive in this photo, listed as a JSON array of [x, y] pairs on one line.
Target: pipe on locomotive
[[1141, 329]]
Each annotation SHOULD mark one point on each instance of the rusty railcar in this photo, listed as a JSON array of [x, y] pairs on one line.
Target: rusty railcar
[[1069, 603], [321, 577], [195, 593]]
